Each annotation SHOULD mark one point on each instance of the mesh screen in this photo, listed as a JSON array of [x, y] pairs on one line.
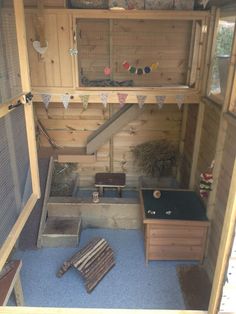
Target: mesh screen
[[10, 82], [13, 166]]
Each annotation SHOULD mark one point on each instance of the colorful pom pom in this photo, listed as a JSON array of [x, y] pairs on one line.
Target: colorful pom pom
[[126, 65], [154, 66], [107, 71], [140, 71], [132, 69], [147, 70]]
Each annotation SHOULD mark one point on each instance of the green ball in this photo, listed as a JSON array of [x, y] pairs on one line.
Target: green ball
[[132, 69]]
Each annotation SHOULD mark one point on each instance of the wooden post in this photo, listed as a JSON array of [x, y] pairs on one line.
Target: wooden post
[[222, 130], [26, 86], [225, 246], [197, 142], [182, 139]]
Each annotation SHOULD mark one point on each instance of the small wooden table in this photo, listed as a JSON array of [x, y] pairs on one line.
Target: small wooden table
[[10, 280], [109, 180]]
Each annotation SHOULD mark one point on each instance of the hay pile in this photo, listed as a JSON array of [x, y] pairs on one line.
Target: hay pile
[[63, 179], [155, 158]]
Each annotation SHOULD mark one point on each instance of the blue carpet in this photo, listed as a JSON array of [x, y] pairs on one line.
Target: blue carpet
[[129, 284]]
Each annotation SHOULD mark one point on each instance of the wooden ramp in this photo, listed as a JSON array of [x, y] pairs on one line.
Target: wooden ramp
[[121, 118], [93, 262]]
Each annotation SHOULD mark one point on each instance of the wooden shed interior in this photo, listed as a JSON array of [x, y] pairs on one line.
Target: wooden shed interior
[[85, 87]]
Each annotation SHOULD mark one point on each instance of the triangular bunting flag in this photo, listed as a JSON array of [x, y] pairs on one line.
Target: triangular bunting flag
[[84, 100], [46, 99], [65, 100], [122, 99], [179, 100], [160, 101], [104, 99], [141, 100]]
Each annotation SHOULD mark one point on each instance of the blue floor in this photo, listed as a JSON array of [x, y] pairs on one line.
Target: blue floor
[[129, 284]]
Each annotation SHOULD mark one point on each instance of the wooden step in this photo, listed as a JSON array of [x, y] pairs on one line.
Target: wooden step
[[61, 232]]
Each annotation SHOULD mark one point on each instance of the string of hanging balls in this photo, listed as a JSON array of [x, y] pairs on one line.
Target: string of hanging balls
[[140, 71]]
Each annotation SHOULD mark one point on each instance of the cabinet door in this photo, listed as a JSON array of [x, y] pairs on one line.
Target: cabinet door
[[54, 68]]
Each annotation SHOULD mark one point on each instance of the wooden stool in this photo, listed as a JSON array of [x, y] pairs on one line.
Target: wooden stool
[[93, 262], [109, 180], [10, 280]]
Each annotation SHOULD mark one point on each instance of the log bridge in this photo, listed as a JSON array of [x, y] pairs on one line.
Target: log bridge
[[93, 262]]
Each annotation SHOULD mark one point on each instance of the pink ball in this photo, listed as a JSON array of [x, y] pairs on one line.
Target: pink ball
[[107, 71]]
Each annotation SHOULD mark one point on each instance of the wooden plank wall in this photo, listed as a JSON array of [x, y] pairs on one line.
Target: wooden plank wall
[[229, 154], [209, 135], [55, 67], [138, 42], [71, 127], [186, 158]]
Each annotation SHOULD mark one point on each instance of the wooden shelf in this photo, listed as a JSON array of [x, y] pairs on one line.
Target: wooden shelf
[[190, 95], [187, 15]]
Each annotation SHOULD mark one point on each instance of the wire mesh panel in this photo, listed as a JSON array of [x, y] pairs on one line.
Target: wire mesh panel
[[10, 81], [15, 180]]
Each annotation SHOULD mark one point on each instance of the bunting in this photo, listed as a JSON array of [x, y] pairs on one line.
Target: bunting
[[141, 100], [122, 99], [65, 100], [46, 99], [160, 99], [84, 99], [104, 99], [180, 100]]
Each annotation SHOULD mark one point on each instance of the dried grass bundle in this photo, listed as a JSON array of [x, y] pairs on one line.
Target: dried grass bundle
[[155, 158]]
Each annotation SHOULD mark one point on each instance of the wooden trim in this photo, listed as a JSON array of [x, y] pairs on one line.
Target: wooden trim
[[25, 80], [9, 243], [182, 139], [189, 95], [211, 26], [129, 14], [225, 246], [51, 310], [230, 118], [33, 155], [45, 201], [197, 143], [22, 45], [212, 50]]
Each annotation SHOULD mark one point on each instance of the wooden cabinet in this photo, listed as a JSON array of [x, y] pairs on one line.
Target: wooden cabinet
[[175, 225], [54, 68], [175, 240]]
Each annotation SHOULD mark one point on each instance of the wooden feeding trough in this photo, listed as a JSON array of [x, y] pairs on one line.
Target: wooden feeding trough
[[98, 83]]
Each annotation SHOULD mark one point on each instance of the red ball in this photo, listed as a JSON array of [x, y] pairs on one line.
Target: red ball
[[126, 65]]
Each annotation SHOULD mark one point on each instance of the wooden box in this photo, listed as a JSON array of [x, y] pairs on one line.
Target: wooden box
[[159, 4], [127, 4], [175, 225]]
